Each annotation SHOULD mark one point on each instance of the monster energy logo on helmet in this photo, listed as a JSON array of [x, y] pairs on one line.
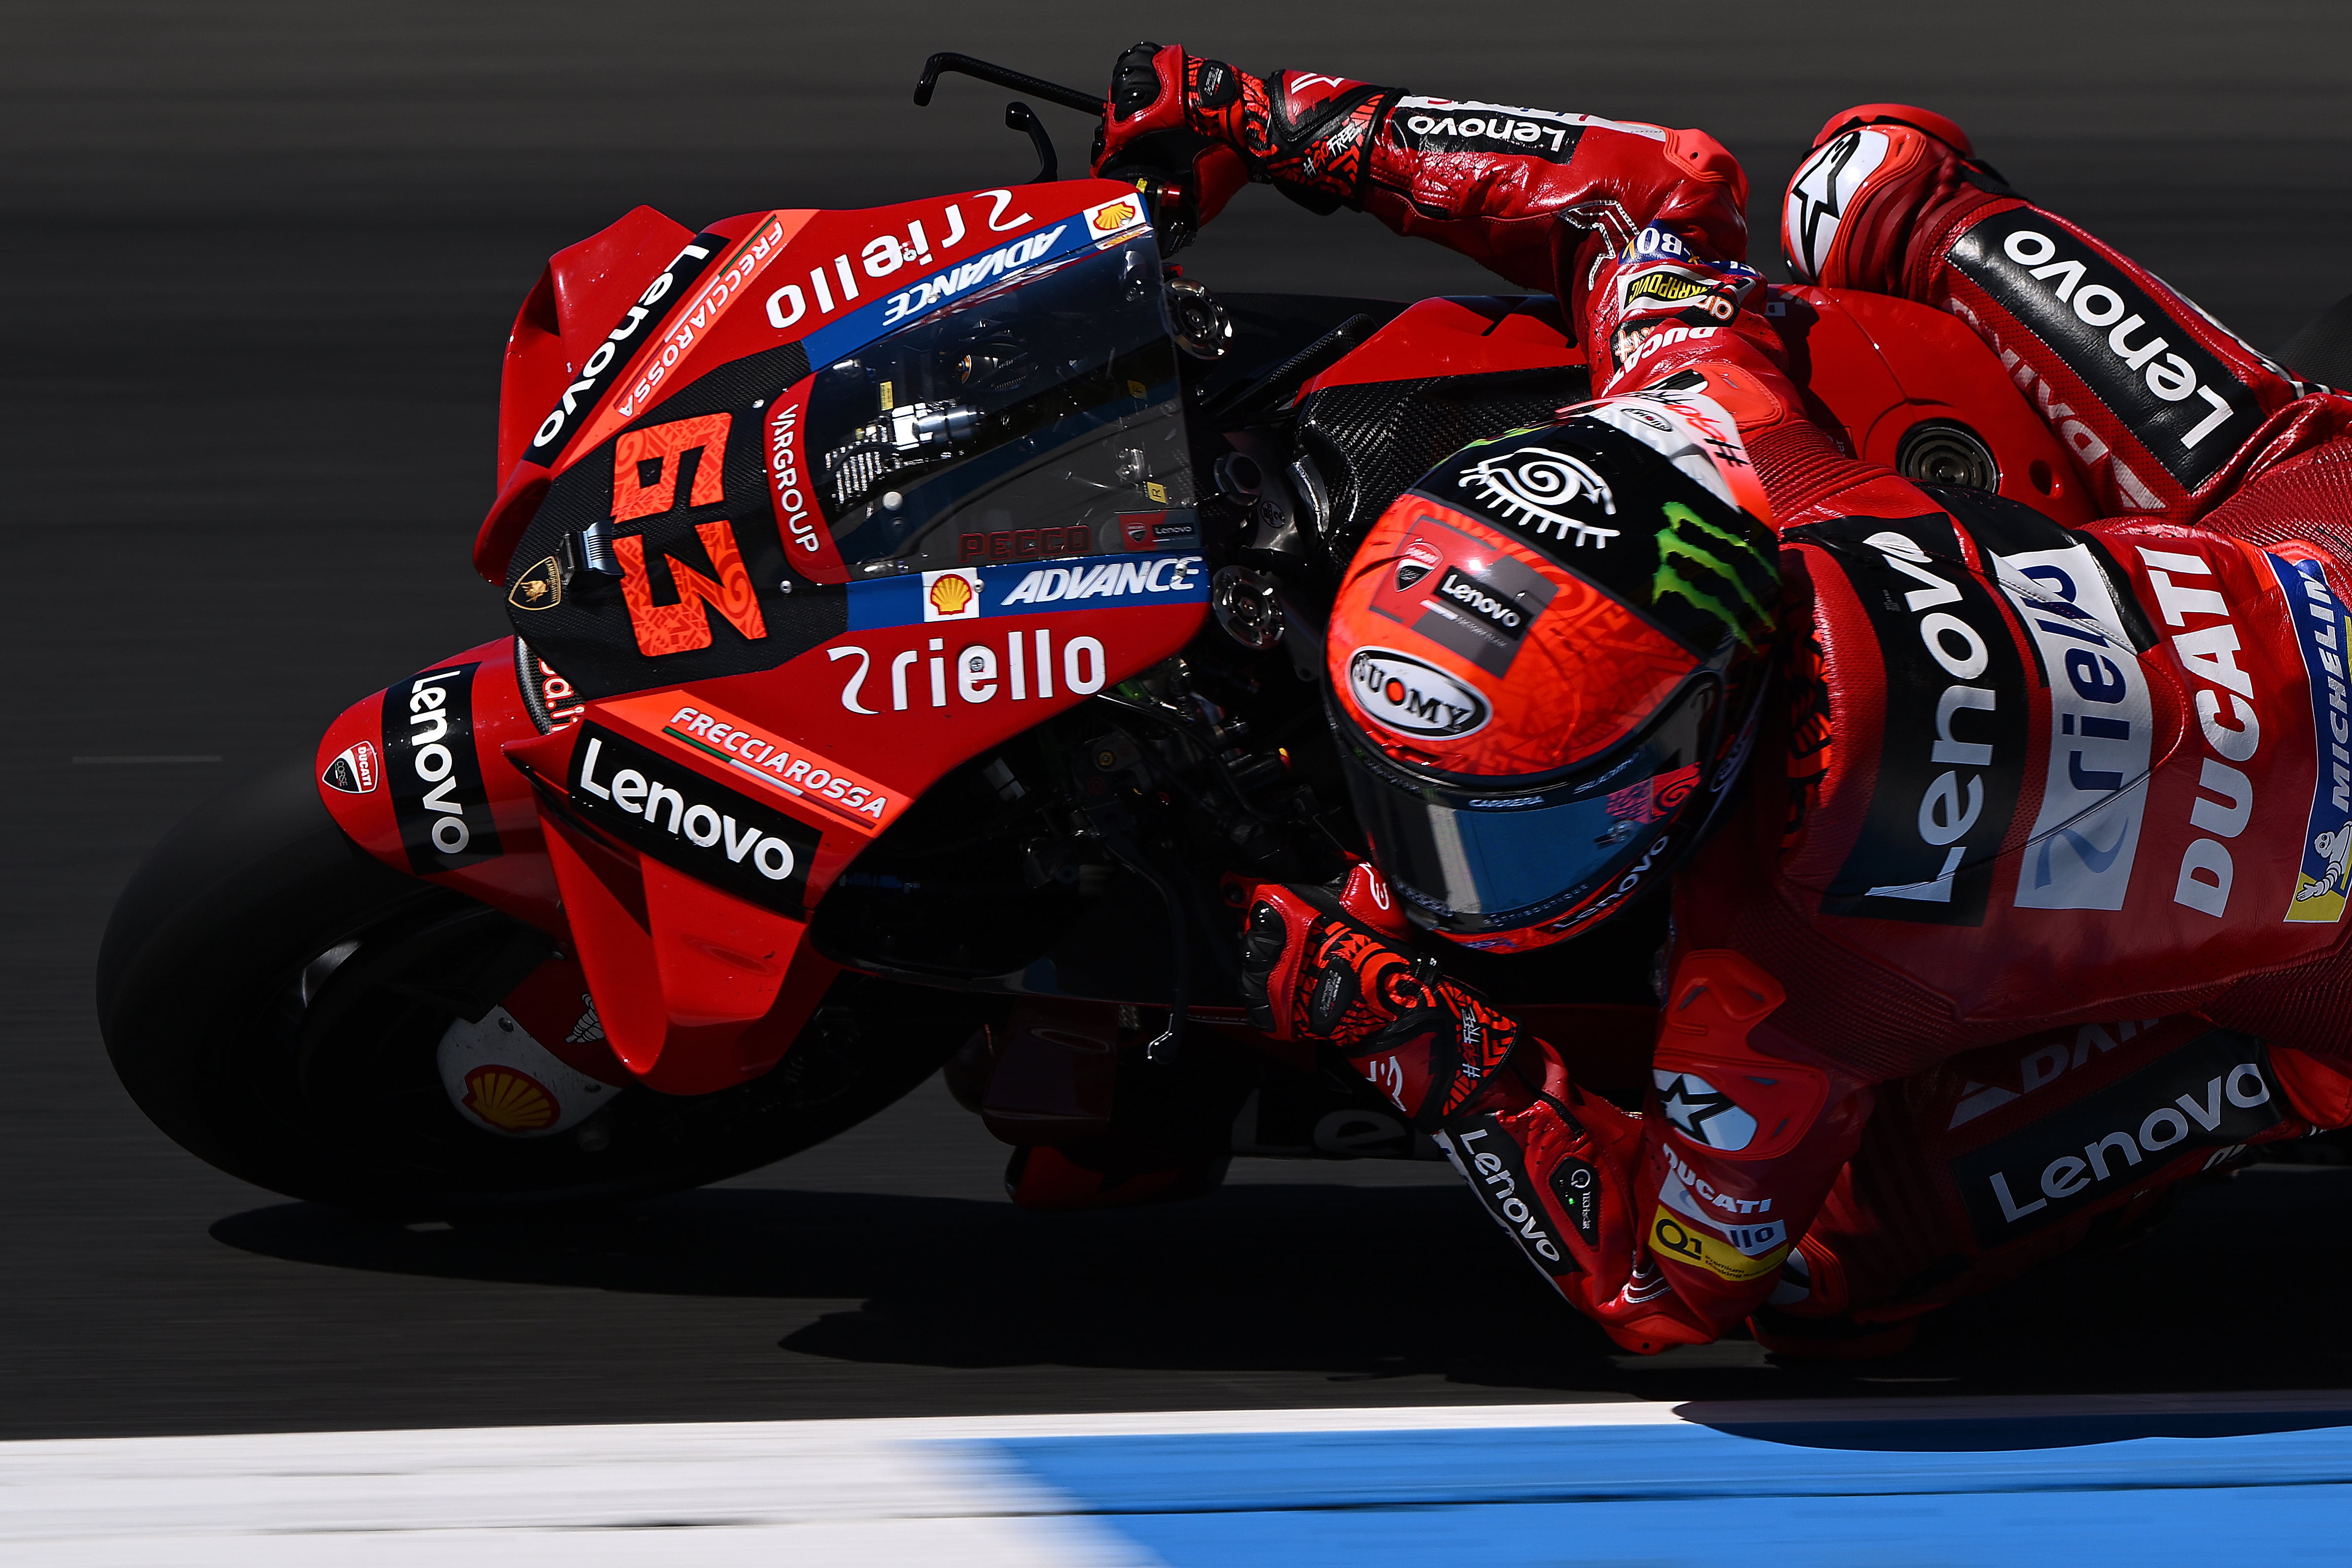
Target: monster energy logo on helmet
[[1729, 576], [1587, 495]]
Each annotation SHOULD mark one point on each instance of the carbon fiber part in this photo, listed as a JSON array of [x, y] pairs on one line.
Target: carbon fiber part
[[1372, 440]]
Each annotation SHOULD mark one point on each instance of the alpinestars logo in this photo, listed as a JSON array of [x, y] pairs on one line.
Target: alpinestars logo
[[1702, 1112], [1720, 552], [1527, 485], [1819, 195]]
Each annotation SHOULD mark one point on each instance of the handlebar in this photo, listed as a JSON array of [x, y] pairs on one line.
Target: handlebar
[[946, 62]]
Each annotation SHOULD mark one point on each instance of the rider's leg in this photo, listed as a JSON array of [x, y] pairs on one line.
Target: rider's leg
[[1973, 1172], [2165, 409]]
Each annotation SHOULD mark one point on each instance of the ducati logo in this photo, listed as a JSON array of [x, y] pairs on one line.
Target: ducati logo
[[1419, 559], [540, 588], [353, 770]]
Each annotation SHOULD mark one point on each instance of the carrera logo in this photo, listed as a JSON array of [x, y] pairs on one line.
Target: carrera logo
[[1399, 692], [681, 819], [2215, 1092], [353, 770], [438, 797]]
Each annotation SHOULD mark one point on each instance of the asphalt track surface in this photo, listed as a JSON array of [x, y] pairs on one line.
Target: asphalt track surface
[[260, 259]]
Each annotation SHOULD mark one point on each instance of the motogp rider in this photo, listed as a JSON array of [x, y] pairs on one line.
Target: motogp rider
[[2007, 859]]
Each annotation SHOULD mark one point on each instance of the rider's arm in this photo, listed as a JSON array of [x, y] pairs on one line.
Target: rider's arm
[[1547, 200]]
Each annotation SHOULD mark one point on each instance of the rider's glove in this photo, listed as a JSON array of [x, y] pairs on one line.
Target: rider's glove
[[1164, 127], [1334, 965]]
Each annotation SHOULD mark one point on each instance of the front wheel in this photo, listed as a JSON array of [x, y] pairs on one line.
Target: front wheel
[[276, 1000]]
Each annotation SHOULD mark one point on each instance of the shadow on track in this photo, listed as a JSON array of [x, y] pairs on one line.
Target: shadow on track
[[2235, 1291]]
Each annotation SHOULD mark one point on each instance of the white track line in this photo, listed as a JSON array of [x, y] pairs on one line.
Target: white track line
[[875, 1492]]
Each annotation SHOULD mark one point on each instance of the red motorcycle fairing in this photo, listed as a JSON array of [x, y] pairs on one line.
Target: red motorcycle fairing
[[823, 280], [414, 774], [652, 797]]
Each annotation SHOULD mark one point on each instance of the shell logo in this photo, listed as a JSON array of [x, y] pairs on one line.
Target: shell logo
[[508, 1100], [1114, 218], [951, 594]]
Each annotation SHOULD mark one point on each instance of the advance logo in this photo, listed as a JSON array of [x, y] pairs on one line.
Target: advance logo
[[1398, 692], [677, 817], [438, 798]]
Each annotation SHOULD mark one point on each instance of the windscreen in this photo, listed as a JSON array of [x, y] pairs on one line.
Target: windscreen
[[1041, 419]]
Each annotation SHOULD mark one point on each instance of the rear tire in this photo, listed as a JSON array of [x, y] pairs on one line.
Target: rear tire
[[273, 997]]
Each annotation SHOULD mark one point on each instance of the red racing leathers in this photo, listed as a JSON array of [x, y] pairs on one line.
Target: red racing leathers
[[2034, 899]]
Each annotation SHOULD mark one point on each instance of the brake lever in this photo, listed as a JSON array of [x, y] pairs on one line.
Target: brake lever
[[948, 62], [1019, 116]]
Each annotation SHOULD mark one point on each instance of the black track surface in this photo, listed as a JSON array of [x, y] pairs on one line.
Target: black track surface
[[260, 258]]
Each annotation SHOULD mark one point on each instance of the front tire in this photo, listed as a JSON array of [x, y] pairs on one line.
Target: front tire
[[272, 997]]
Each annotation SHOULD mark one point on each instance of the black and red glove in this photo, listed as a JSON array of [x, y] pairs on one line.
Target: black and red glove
[[1163, 129], [1334, 965]]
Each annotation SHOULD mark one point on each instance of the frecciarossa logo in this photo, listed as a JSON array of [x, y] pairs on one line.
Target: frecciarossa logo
[[784, 767], [674, 814]]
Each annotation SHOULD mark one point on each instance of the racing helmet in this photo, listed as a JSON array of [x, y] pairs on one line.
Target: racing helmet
[[1547, 660]]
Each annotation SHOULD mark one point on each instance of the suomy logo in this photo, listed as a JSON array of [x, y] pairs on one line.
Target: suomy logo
[[1399, 692]]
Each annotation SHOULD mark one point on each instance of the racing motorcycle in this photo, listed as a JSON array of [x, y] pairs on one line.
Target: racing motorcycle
[[916, 632]]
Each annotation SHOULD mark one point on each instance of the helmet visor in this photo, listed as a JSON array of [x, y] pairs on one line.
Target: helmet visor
[[1488, 859]]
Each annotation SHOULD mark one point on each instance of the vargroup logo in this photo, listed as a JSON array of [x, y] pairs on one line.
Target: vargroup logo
[[1399, 692], [952, 596]]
